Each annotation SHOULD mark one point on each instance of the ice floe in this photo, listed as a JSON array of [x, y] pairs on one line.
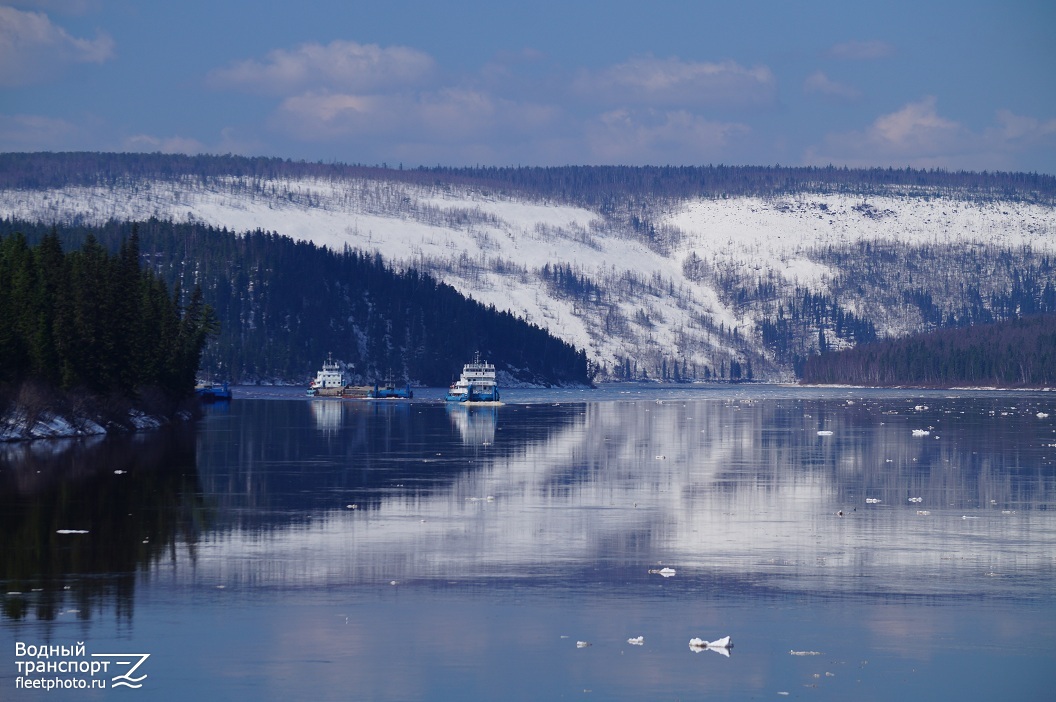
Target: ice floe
[[721, 646]]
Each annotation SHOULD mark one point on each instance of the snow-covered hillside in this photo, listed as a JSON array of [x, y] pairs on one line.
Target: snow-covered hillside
[[689, 288]]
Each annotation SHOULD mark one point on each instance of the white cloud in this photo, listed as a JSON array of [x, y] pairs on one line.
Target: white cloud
[[168, 145], [917, 126], [67, 7], [445, 115], [917, 135], [820, 84], [861, 50], [647, 80], [23, 132], [341, 66], [678, 137], [1021, 131], [33, 49]]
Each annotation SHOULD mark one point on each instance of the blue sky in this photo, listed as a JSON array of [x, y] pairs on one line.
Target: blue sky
[[956, 85]]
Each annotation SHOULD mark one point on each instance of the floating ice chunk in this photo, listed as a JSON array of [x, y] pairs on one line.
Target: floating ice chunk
[[637, 641], [921, 432], [71, 531], [1042, 415], [721, 646], [824, 432]]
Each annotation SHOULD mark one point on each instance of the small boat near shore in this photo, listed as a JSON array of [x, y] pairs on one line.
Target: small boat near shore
[[477, 384], [213, 392]]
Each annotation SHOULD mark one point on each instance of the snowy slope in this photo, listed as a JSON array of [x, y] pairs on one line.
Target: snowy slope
[[492, 248]]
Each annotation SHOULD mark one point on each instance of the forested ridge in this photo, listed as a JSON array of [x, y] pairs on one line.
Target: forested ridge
[[602, 187], [284, 306], [858, 254], [1015, 353]]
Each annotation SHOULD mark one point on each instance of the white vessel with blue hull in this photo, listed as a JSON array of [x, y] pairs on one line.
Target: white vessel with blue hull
[[476, 384]]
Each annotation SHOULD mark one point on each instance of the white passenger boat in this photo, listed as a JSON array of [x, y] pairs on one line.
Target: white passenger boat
[[476, 384], [330, 381]]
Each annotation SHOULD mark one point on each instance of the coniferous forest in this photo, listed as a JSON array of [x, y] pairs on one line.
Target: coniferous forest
[[283, 306], [1015, 353], [95, 323]]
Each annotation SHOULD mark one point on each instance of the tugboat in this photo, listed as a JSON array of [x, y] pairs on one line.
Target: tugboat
[[476, 384], [330, 381], [389, 391]]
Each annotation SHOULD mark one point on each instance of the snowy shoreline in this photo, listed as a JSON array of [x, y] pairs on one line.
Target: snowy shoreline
[[16, 425]]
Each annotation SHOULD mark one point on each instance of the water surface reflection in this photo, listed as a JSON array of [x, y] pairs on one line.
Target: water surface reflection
[[743, 491], [411, 551], [80, 518]]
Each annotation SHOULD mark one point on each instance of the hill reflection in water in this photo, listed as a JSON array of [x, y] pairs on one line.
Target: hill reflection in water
[[735, 490], [294, 549]]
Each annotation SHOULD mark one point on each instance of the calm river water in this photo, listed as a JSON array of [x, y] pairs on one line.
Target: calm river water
[[854, 544]]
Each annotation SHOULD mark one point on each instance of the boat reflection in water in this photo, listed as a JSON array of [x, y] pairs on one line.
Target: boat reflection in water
[[475, 424], [327, 415]]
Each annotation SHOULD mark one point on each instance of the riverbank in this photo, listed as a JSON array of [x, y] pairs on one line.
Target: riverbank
[[35, 412]]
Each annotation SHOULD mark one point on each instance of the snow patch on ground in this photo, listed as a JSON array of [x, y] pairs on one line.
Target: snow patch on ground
[[16, 426]]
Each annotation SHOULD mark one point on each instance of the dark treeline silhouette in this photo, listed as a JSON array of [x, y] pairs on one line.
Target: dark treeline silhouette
[[283, 306], [607, 188], [90, 320], [1015, 353]]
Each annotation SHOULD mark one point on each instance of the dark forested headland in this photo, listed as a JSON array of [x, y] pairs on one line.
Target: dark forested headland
[[283, 306], [1015, 353], [94, 329]]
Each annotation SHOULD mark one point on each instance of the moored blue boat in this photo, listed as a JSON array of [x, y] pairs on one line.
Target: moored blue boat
[[215, 392]]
